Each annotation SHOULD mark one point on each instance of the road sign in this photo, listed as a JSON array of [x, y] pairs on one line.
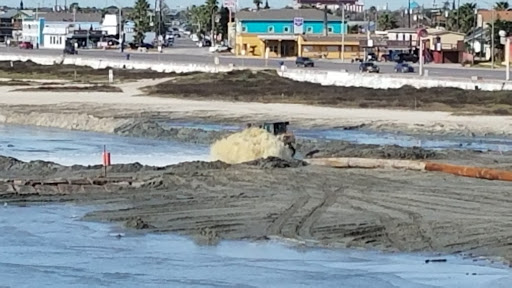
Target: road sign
[[326, 2], [230, 3], [298, 25]]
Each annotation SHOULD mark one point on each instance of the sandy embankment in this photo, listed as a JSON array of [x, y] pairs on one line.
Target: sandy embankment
[[82, 108]]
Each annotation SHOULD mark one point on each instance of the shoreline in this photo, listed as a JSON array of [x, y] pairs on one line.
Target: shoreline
[[107, 117]]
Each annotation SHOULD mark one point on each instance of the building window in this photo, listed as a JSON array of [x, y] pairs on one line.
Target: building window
[[309, 29], [244, 28], [330, 29], [286, 29], [270, 29], [348, 48], [333, 48]]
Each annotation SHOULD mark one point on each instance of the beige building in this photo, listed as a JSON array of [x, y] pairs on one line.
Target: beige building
[[448, 39]]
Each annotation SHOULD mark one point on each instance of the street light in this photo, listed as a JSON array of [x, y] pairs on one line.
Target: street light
[[215, 19], [506, 42]]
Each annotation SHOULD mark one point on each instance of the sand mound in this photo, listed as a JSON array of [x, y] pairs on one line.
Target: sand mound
[[248, 145]]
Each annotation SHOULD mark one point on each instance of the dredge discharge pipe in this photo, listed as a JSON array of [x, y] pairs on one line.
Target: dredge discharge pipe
[[469, 171]]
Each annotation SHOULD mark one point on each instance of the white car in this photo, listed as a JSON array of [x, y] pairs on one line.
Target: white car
[[194, 37]]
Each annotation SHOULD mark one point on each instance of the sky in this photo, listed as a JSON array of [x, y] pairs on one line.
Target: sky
[[393, 4]]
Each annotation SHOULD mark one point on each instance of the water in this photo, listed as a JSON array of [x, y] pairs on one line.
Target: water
[[381, 138], [48, 246], [85, 148]]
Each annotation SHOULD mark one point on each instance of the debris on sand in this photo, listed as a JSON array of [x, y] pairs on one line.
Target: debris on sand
[[275, 162], [249, 145], [138, 223]]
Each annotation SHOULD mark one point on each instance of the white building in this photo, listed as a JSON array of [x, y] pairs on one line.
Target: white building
[[31, 31], [110, 24], [55, 35]]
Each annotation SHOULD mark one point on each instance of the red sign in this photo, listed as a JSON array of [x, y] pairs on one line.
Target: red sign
[[326, 2]]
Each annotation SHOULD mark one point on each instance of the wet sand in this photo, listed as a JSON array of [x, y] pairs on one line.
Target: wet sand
[[381, 209]]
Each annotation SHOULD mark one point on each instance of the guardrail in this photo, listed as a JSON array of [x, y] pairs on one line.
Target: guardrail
[[324, 77]]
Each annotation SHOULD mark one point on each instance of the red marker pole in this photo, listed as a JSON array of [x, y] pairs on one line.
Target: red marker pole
[[106, 159]]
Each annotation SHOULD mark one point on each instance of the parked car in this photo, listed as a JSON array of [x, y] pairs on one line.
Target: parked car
[[70, 49], [369, 67], [220, 48], [194, 37], [204, 43], [169, 42], [304, 62], [403, 68], [26, 45], [406, 57], [134, 46], [147, 45]]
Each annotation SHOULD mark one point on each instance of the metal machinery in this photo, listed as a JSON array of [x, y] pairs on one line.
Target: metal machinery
[[280, 129]]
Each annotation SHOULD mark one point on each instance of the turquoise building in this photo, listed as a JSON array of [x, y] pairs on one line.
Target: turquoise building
[[281, 30], [281, 21]]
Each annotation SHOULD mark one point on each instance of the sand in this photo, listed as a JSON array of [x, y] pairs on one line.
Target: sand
[[389, 210], [130, 103]]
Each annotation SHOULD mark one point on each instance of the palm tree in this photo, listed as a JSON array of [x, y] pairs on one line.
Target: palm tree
[[498, 25], [462, 19], [257, 3], [387, 21], [501, 6], [446, 6], [372, 12], [266, 5]]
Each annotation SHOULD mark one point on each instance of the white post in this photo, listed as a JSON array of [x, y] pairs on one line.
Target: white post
[[421, 55], [110, 76], [507, 58], [343, 34]]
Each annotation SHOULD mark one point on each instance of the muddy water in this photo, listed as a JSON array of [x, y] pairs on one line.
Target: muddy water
[[85, 148], [381, 138], [48, 246]]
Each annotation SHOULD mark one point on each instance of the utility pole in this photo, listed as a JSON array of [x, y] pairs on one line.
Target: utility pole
[[344, 32], [120, 20], [212, 33], [409, 13], [474, 36], [326, 22], [160, 23], [507, 58], [458, 16], [492, 40]]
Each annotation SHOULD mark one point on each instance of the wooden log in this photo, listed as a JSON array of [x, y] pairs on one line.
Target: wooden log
[[367, 163]]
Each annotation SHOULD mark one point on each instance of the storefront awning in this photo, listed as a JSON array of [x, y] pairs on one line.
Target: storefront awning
[[278, 37]]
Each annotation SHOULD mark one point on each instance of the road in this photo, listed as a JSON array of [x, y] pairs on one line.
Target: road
[[185, 51]]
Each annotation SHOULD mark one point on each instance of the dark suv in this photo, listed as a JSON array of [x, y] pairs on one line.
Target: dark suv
[[406, 57], [70, 49], [304, 62], [369, 67]]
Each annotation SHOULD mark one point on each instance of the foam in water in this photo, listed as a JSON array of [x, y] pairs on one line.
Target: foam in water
[[247, 145]]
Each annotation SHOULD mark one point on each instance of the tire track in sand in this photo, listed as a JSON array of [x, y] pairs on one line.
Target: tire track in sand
[[305, 225], [277, 225]]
